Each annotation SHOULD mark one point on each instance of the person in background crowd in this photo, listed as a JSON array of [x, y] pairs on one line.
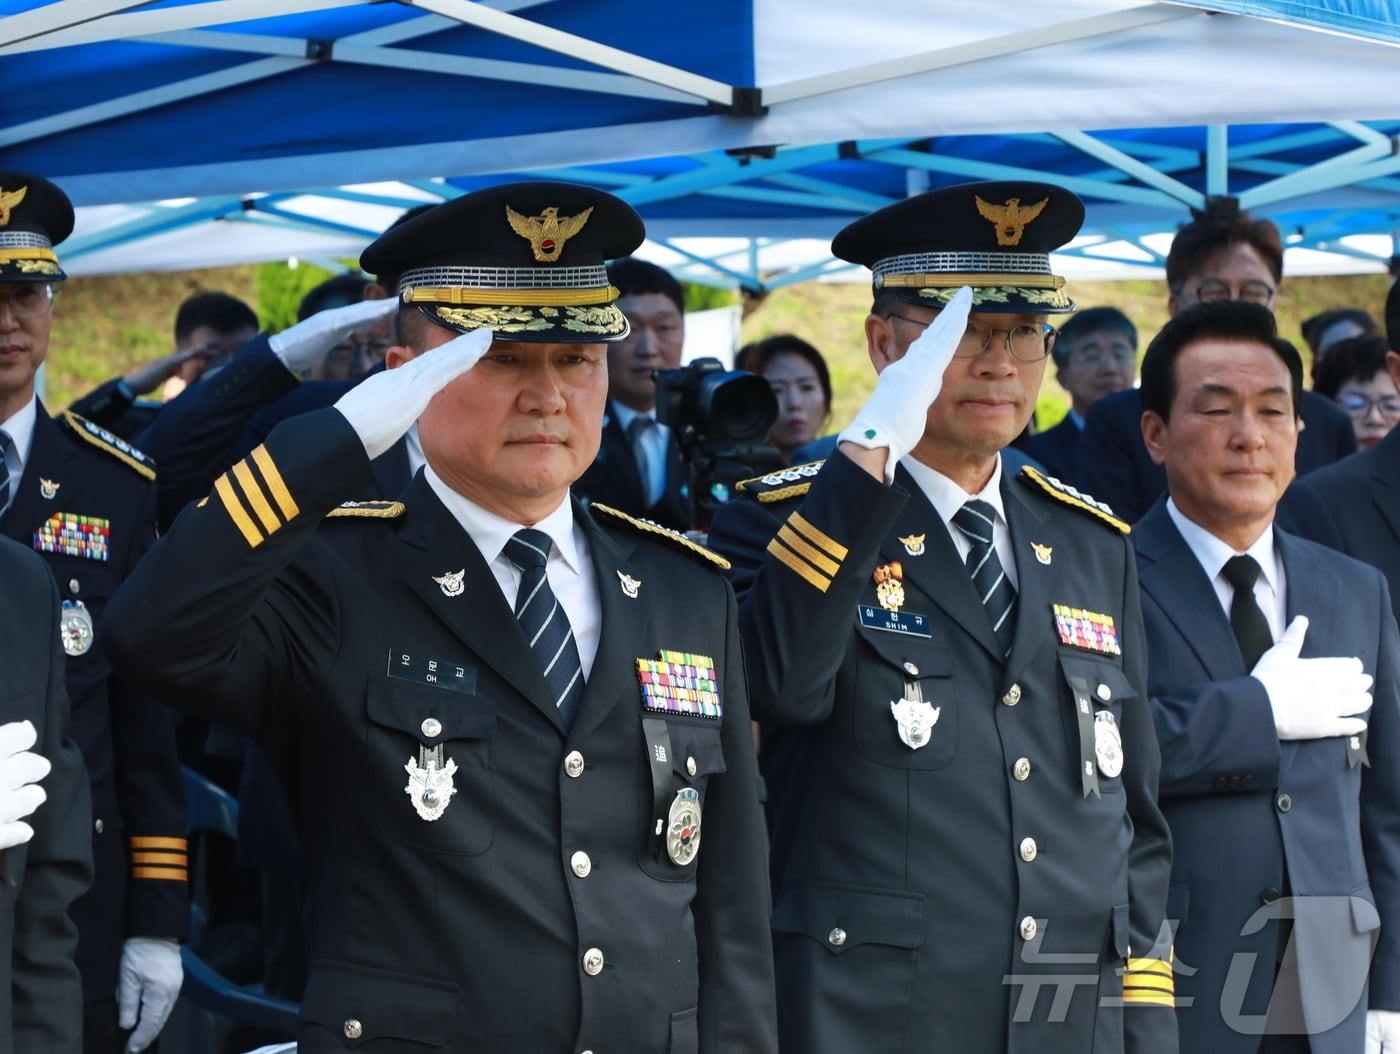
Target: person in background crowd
[[1222, 254], [639, 468], [1095, 356], [801, 383], [1279, 777], [360, 351], [209, 328], [85, 500], [1353, 373], [45, 856], [1327, 328]]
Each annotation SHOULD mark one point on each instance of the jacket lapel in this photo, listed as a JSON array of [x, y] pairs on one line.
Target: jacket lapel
[[49, 455], [1385, 473], [435, 545], [617, 451], [1036, 582]]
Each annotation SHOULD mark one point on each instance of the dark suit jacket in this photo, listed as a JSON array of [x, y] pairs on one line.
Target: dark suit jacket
[[1358, 508], [41, 999], [470, 932], [1252, 817], [107, 405], [1114, 465], [615, 479], [1058, 450]]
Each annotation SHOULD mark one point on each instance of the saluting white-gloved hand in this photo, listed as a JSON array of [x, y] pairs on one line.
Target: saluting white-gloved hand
[[896, 411], [147, 986], [20, 773], [382, 407], [303, 346], [1312, 698], [1382, 1032]]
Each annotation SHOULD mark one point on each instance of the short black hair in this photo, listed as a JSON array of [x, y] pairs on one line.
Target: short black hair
[[1392, 317], [1220, 226], [634, 277], [1233, 321], [411, 327], [1316, 327], [348, 288], [756, 356], [1092, 320], [220, 312], [1354, 359]]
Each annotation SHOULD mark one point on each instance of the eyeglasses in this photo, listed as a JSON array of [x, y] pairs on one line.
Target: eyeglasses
[[1252, 292], [1359, 405], [1100, 356], [354, 351], [1029, 342], [26, 299]]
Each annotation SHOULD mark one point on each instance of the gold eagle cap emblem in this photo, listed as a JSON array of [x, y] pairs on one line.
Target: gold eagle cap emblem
[[10, 199], [1010, 219], [546, 232]]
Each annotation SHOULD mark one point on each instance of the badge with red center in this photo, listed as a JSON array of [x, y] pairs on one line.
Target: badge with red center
[[683, 827]]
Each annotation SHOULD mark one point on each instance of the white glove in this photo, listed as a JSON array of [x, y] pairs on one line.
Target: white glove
[[1312, 698], [382, 407], [1382, 1032], [149, 982], [895, 414], [303, 346], [20, 773]]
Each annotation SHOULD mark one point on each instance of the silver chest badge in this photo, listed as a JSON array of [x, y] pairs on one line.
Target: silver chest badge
[[915, 719], [48, 488], [1108, 744], [630, 586], [451, 582], [75, 627], [430, 786], [683, 827]]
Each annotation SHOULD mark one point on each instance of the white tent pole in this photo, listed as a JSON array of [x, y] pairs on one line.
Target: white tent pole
[[1139, 170], [54, 17]]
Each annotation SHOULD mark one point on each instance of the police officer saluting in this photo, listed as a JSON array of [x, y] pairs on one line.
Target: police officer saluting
[[514, 732], [948, 664]]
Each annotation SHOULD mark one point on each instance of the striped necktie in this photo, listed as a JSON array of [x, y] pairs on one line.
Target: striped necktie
[[976, 520], [5, 443], [544, 623]]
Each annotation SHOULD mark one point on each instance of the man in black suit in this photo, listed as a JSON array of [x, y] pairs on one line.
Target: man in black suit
[[1279, 776], [639, 468], [45, 856], [1095, 356], [1223, 254]]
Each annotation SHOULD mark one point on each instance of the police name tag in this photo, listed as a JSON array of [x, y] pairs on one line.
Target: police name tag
[[439, 673], [906, 622]]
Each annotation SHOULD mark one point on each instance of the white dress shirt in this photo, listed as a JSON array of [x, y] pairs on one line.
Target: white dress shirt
[[20, 429], [1269, 587], [655, 441], [413, 446], [947, 498], [569, 570]]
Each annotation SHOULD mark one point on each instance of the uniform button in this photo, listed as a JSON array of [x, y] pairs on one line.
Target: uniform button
[[690, 766], [1028, 850], [1028, 928], [72, 585], [1105, 692], [1022, 769], [432, 727], [353, 1029], [573, 764], [837, 937], [98, 825], [911, 669], [593, 962], [1012, 696], [1284, 803], [1268, 896], [583, 867]]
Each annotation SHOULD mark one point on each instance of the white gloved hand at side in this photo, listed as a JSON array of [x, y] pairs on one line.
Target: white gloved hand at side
[[1382, 1032], [148, 984], [383, 406], [303, 346], [20, 772], [1312, 698], [894, 416]]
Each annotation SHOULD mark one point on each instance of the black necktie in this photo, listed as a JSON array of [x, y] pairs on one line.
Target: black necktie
[[543, 621], [1246, 618], [4, 471], [637, 433], [976, 520]]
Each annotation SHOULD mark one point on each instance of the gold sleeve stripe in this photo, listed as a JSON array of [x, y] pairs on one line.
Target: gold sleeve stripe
[[1147, 999], [275, 486], [818, 538], [1165, 988], [237, 512], [254, 494], [1160, 966], [169, 859], [798, 565], [172, 874], [152, 841], [789, 536]]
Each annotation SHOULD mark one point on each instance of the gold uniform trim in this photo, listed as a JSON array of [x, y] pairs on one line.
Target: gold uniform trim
[[818, 537], [940, 279], [768, 497], [510, 297], [275, 485], [798, 566], [655, 528], [1136, 998], [79, 426], [380, 510], [1069, 499], [1002, 294], [172, 874], [237, 513], [169, 859], [1157, 966], [35, 253], [816, 559], [145, 841], [254, 494]]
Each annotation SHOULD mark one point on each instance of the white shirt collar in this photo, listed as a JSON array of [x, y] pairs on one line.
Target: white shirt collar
[[625, 414], [1213, 553], [20, 429], [947, 497], [490, 532]]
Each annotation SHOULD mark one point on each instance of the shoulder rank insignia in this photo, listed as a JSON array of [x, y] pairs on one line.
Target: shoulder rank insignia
[[117, 447], [779, 486], [648, 527], [374, 510], [1074, 498]]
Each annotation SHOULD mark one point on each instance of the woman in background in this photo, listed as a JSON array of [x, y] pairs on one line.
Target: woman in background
[[800, 380], [1353, 373]]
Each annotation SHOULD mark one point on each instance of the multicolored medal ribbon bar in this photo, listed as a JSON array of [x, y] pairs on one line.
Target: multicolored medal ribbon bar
[[680, 683], [72, 535], [1089, 630]]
